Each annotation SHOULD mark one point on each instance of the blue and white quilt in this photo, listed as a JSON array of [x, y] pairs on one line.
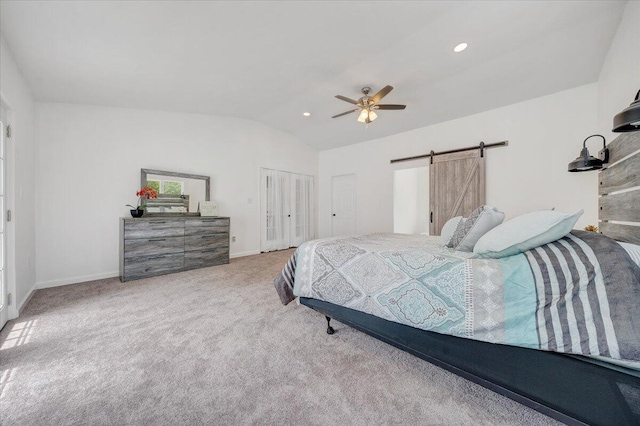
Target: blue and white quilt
[[576, 295]]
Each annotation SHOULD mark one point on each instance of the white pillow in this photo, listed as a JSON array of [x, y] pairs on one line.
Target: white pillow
[[481, 221], [449, 228], [526, 232]]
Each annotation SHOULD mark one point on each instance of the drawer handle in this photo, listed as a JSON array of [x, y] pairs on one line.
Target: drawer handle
[[154, 257], [153, 222], [155, 240]]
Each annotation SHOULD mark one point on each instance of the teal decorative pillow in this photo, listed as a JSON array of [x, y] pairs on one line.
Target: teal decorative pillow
[[526, 232], [469, 231], [448, 229]]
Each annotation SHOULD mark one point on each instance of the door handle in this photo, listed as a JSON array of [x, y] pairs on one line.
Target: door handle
[[333, 214], [288, 215]]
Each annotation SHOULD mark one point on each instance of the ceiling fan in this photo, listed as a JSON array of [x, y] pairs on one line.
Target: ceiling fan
[[369, 104]]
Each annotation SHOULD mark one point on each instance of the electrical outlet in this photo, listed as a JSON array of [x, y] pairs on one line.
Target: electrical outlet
[[233, 239]]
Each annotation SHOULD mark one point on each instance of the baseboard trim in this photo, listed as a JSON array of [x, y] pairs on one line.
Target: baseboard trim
[[93, 277], [26, 299], [76, 280], [244, 253]]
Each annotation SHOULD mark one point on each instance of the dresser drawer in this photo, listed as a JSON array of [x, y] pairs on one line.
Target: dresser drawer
[[153, 228], [206, 226], [206, 242], [153, 265], [204, 258], [142, 247]]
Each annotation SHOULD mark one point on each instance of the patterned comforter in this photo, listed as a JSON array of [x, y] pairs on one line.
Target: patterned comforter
[[576, 295]]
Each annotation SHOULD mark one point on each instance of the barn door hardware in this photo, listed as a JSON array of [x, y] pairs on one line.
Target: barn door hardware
[[482, 146]]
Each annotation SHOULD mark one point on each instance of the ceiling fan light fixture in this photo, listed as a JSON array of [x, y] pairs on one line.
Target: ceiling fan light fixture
[[366, 105], [460, 47]]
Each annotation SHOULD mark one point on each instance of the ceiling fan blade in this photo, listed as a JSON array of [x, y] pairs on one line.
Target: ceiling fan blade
[[344, 98], [381, 94], [390, 106], [345, 113]]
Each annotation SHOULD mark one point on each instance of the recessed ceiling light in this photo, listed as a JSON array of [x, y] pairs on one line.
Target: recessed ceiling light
[[306, 114], [459, 48]]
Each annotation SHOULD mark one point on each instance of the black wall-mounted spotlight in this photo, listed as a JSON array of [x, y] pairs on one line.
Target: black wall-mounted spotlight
[[629, 119], [587, 162]]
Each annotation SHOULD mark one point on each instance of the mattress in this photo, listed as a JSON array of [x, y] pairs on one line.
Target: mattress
[[571, 296]]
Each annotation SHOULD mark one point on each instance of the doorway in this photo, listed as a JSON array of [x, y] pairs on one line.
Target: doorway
[[343, 205], [411, 201]]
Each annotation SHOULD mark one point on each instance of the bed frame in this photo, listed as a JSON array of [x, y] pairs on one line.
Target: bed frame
[[575, 390], [571, 389]]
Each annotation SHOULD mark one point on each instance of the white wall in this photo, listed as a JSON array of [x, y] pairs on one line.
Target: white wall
[[620, 75], [84, 150], [21, 187], [88, 167], [544, 135], [411, 201]]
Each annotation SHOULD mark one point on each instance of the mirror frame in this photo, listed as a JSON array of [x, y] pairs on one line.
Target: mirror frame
[[207, 190]]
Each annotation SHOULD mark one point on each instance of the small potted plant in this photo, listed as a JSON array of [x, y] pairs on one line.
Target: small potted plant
[[145, 193]]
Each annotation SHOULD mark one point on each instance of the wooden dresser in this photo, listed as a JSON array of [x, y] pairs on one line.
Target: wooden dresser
[[151, 246]]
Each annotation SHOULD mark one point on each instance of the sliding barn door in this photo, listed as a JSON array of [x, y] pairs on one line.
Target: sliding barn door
[[456, 187]]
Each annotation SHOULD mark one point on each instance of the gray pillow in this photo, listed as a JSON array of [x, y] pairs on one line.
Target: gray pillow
[[448, 229], [482, 220]]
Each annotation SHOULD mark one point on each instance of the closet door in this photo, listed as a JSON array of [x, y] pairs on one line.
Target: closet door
[[456, 187], [302, 212], [343, 205], [274, 206]]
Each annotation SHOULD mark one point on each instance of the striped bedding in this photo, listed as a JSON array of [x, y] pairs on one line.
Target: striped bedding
[[577, 295]]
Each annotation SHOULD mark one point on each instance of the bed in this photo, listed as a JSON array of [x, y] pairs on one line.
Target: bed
[[576, 359]]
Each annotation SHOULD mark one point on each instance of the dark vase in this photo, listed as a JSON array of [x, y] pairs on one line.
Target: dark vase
[[137, 213]]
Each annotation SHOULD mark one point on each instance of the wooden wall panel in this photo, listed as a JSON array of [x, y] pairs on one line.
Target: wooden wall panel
[[621, 206], [626, 233], [624, 207], [623, 175], [623, 145]]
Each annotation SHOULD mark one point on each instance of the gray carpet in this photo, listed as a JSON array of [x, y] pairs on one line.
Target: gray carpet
[[215, 346]]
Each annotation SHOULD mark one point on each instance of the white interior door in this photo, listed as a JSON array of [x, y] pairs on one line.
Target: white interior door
[[301, 208], [343, 205], [274, 206], [4, 310], [287, 209]]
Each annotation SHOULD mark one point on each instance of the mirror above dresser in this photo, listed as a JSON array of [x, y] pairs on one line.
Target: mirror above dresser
[[178, 193]]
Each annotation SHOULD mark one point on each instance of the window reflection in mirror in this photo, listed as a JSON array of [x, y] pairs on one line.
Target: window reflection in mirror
[[176, 194]]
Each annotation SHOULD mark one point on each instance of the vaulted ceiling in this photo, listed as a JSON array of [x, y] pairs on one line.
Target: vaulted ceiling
[[272, 61]]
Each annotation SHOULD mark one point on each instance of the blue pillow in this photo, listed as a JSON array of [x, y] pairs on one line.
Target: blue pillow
[[525, 232]]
